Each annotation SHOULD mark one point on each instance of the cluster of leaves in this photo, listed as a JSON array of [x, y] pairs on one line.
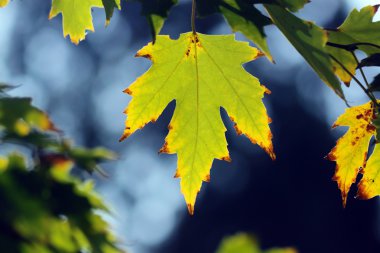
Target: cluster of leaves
[[245, 243], [44, 208], [181, 70]]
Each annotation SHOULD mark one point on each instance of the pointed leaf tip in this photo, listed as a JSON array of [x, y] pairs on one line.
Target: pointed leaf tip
[[190, 209]]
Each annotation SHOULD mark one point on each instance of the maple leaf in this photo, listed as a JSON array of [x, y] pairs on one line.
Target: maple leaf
[[3, 3], [350, 152], [202, 73], [76, 17], [358, 27]]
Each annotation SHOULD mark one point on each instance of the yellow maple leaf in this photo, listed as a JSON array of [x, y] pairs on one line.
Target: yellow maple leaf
[[202, 73], [76, 17], [350, 152]]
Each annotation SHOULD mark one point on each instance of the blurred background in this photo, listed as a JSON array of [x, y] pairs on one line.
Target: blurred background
[[289, 202]]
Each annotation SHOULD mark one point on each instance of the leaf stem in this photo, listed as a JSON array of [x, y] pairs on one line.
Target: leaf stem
[[193, 13], [353, 46], [369, 94], [361, 69]]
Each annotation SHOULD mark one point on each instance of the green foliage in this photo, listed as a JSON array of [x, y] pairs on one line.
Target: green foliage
[[44, 207], [330, 52], [242, 16], [245, 243], [309, 40], [357, 28]]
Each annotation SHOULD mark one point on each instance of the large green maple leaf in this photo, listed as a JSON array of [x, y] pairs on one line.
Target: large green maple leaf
[[76, 16], [202, 73]]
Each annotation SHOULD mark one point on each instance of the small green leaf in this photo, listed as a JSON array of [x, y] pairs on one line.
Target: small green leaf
[[109, 6], [245, 243], [156, 12], [242, 243], [309, 40]]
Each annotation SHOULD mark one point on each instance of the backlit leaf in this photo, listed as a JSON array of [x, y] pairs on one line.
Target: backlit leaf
[[350, 152], [309, 40], [357, 28], [76, 17], [202, 73]]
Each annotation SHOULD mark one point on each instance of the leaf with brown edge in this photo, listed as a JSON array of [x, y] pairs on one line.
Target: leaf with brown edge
[[202, 73], [350, 152]]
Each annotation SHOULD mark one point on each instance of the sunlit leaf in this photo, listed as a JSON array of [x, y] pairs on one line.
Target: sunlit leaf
[[309, 40], [76, 17], [202, 73], [350, 152]]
